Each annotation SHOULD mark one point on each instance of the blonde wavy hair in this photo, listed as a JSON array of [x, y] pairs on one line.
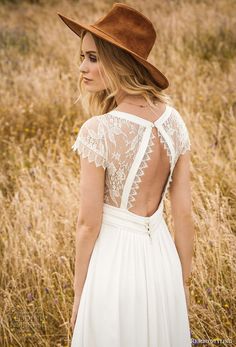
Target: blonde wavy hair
[[122, 72]]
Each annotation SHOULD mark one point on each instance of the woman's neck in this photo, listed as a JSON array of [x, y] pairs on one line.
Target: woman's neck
[[125, 97]]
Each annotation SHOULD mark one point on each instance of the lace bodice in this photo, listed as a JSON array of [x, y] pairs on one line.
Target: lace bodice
[[121, 142]]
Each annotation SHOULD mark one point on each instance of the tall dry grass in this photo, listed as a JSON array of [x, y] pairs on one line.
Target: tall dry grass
[[196, 48]]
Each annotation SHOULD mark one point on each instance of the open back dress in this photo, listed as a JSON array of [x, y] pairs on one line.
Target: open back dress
[[133, 295]]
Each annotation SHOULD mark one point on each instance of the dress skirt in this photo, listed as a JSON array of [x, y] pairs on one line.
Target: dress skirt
[[133, 295]]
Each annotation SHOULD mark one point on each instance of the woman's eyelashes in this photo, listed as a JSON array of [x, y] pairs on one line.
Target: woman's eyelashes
[[91, 58]]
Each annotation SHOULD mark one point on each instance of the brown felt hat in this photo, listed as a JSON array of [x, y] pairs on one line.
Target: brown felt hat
[[128, 29]]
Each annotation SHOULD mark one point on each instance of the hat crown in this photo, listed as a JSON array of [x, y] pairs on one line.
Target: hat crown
[[129, 28]]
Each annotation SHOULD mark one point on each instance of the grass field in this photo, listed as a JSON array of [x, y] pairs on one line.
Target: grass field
[[39, 174]]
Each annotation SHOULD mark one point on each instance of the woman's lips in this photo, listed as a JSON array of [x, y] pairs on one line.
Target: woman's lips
[[86, 79]]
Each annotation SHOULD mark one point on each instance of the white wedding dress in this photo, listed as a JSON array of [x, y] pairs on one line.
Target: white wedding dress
[[133, 295]]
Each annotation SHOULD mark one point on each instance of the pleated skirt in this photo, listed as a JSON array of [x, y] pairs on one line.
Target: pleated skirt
[[133, 295]]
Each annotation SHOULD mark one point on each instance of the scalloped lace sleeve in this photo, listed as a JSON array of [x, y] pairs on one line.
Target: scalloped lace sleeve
[[185, 140], [90, 142]]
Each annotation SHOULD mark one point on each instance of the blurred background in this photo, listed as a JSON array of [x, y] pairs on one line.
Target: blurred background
[[39, 172]]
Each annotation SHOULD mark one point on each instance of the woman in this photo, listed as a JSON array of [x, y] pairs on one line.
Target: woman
[[131, 278]]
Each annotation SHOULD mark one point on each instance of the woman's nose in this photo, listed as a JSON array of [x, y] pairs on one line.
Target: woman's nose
[[83, 67]]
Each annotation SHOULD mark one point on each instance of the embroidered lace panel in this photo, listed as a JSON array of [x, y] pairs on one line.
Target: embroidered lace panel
[[112, 142]]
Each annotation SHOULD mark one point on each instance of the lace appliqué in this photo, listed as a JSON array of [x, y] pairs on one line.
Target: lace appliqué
[[87, 152], [165, 145], [140, 172], [177, 133], [90, 142], [122, 150]]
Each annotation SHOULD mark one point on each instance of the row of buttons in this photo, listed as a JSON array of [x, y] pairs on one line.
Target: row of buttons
[[148, 228]]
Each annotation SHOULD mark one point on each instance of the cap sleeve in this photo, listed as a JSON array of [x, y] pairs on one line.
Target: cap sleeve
[[185, 139], [90, 142], [182, 139]]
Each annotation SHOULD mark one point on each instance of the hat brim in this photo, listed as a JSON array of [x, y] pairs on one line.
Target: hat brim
[[77, 28]]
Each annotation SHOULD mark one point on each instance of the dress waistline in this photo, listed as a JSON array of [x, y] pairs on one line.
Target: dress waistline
[[122, 217]]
